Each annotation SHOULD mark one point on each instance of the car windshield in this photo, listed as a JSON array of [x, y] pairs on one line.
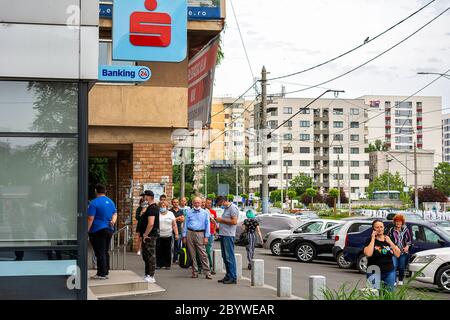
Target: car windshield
[[442, 230], [442, 223]]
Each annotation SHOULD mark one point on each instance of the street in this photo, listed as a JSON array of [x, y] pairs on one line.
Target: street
[[335, 277]]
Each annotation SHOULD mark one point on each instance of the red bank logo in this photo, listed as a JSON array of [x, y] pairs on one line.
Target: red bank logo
[[150, 29]]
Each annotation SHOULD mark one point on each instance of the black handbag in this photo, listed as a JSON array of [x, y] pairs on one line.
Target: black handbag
[[243, 239]]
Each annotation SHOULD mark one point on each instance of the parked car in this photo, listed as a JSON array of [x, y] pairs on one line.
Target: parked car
[[273, 239], [350, 226], [306, 215], [437, 271], [409, 216], [271, 222], [307, 246], [425, 236]]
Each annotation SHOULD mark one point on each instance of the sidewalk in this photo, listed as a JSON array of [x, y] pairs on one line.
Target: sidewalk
[[180, 286]]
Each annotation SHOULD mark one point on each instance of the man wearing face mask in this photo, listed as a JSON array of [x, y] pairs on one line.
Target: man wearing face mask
[[227, 233], [196, 232]]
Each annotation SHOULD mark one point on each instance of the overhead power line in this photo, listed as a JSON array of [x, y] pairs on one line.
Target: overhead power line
[[353, 49], [240, 97], [372, 59]]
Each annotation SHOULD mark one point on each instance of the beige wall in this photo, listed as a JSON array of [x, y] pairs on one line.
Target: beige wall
[[138, 106], [120, 135]]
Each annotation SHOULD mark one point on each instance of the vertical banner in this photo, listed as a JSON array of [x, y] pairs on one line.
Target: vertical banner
[[201, 81]]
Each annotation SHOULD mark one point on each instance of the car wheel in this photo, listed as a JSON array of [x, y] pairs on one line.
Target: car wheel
[[361, 263], [275, 247], [305, 252], [342, 263], [443, 278]]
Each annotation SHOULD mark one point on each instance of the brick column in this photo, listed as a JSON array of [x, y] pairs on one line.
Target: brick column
[[150, 162], [124, 176]]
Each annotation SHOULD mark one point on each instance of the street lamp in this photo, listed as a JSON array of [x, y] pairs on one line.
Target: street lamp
[[445, 75]]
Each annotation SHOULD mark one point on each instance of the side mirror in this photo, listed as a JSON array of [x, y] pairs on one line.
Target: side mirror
[[297, 231], [441, 242], [329, 234]]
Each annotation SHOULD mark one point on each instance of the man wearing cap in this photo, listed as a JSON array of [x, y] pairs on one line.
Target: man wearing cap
[[149, 231], [196, 232]]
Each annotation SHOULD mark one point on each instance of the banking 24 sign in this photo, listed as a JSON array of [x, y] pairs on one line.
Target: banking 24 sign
[[150, 30]]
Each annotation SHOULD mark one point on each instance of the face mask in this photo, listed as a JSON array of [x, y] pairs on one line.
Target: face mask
[[162, 210], [144, 204]]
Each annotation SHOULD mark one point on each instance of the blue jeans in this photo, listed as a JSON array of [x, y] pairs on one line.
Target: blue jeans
[[388, 278], [400, 265], [227, 247]]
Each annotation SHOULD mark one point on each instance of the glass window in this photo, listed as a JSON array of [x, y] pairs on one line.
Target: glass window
[[417, 233], [105, 56], [305, 163], [312, 227], [354, 124], [354, 163], [354, 137], [304, 150], [305, 124], [338, 163], [305, 137], [354, 111], [338, 124], [431, 236], [287, 150], [38, 190], [338, 111], [287, 136], [287, 163], [339, 176], [49, 107], [288, 124], [355, 176], [339, 137], [354, 150], [403, 122], [304, 111], [287, 110], [403, 113], [338, 150]]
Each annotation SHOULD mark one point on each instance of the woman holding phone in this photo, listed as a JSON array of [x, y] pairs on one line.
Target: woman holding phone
[[380, 249]]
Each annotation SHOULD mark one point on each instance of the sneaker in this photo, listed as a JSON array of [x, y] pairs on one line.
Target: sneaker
[[139, 253], [400, 283], [146, 277], [151, 280], [229, 282], [97, 277], [208, 276]]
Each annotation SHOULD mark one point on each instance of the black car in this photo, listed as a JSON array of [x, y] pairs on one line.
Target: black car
[[307, 246]]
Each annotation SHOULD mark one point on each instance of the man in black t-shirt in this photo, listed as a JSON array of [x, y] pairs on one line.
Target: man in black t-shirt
[[149, 231]]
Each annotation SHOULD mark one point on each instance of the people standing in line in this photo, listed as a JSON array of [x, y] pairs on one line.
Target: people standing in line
[[102, 216], [149, 230], [401, 236], [183, 205], [227, 233], [213, 225], [380, 249], [167, 229], [162, 197], [179, 218], [142, 204], [196, 232], [251, 226]]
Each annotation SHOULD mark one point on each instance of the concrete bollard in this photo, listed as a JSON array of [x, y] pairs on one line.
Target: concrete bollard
[[317, 284], [238, 265], [257, 273], [284, 282], [218, 264]]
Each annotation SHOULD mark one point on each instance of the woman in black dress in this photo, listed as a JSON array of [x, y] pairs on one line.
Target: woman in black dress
[[251, 226]]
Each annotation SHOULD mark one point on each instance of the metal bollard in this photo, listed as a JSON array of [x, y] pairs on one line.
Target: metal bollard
[[238, 258], [218, 265], [284, 282], [317, 285], [257, 273]]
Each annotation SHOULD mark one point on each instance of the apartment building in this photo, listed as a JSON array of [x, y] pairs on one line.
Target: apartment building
[[326, 141], [403, 162], [446, 137], [400, 121]]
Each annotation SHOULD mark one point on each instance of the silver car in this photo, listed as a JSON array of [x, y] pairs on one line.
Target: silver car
[[273, 239]]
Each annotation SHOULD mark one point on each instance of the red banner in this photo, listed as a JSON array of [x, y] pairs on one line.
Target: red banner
[[201, 81]]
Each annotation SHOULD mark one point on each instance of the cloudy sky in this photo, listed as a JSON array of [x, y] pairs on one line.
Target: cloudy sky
[[291, 35]]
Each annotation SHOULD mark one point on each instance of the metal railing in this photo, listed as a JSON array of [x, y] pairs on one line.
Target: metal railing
[[119, 243]]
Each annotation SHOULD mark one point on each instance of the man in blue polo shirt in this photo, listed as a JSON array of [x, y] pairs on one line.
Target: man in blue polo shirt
[[102, 216]]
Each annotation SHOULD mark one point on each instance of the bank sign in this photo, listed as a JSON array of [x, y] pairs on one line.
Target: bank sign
[[150, 30], [123, 73]]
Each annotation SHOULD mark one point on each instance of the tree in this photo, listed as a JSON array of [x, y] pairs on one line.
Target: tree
[[230, 197], [211, 196], [429, 194], [306, 199], [300, 183], [275, 196], [257, 194], [380, 183], [333, 194], [377, 146], [442, 178], [311, 192]]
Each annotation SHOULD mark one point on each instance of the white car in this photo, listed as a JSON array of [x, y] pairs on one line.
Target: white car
[[273, 239], [437, 271], [350, 226]]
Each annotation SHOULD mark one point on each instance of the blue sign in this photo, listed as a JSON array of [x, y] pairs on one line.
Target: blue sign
[[204, 13], [150, 30], [123, 73], [106, 11]]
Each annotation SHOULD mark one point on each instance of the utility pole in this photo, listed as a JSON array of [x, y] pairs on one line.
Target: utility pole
[[206, 177], [349, 172], [389, 176], [243, 180], [339, 182], [416, 191], [237, 179], [263, 124], [280, 147], [182, 178], [218, 184], [287, 183]]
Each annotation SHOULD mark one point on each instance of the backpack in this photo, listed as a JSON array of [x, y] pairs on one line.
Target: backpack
[[184, 259]]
